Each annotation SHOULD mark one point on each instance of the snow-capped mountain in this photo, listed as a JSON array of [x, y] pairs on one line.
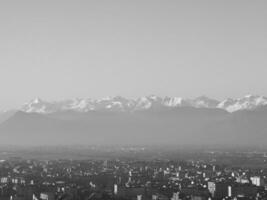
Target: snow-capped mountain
[[39, 106], [121, 104], [249, 102], [148, 102], [176, 102], [81, 105]]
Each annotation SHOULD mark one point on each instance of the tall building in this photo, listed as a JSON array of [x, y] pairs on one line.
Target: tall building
[[115, 189], [256, 180], [212, 188], [229, 191]]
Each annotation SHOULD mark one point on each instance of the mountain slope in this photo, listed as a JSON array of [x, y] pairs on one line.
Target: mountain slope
[[6, 115], [179, 126]]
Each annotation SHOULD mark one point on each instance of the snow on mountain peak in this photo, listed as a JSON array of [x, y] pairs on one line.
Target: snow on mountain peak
[[36, 100], [248, 102], [35, 105], [118, 103], [143, 103], [205, 102]]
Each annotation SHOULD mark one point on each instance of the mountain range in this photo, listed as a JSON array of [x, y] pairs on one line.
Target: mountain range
[[143, 121], [118, 103]]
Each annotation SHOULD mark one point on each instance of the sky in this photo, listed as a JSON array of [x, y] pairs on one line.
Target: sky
[[57, 49]]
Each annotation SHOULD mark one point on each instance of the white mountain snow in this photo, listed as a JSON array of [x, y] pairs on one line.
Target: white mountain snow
[[249, 102], [118, 103]]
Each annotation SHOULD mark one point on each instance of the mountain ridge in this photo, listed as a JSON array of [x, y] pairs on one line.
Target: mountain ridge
[[122, 104], [168, 126], [179, 126]]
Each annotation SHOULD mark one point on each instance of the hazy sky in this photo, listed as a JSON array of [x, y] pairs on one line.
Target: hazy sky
[[64, 49]]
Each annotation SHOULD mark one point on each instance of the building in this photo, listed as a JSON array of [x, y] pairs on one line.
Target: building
[[115, 189], [229, 191], [256, 180], [221, 190], [212, 188], [47, 196]]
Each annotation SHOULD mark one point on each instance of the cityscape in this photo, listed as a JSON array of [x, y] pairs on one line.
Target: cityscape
[[133, 100], [132, 173]]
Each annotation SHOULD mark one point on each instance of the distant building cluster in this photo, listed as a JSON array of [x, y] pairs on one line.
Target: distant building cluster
[[128, 179]]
